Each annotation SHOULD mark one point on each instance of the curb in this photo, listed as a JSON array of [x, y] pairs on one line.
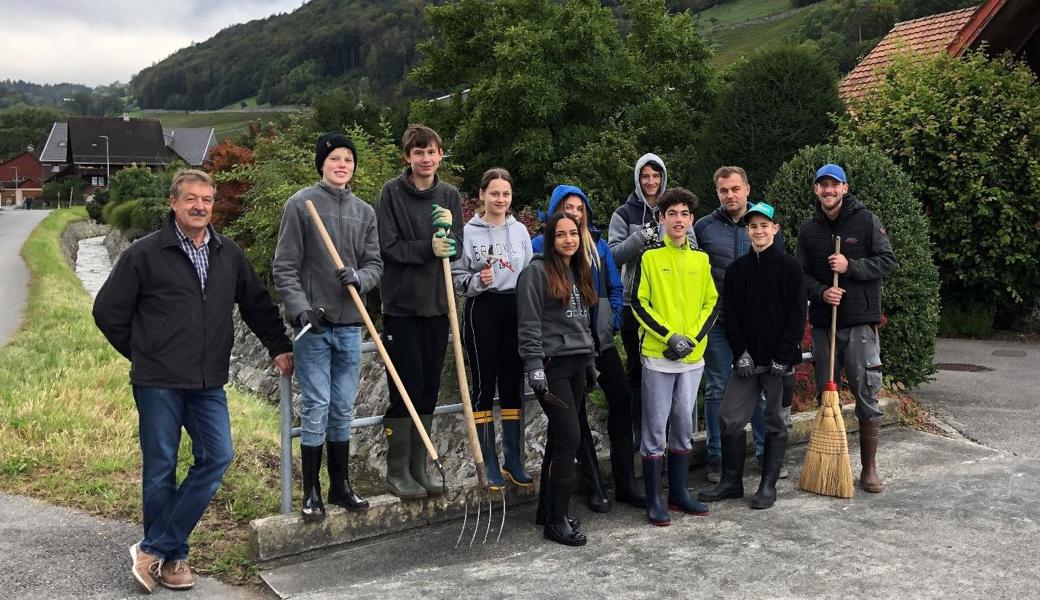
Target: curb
[[279, 536]]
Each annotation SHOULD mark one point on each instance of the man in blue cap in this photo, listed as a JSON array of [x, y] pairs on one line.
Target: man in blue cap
[[764, 303], [865, 259]]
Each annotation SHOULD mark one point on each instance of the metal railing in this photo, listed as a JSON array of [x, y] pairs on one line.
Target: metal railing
[[288, 432]]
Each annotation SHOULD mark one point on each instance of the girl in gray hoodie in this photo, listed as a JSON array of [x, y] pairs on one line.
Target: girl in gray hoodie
[[497, 247]]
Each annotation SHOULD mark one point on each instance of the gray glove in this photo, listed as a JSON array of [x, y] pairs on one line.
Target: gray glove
[[309, 316], [649, 233], [777, 369], [536, 377], [680, 346], [348, 276], [745, 366]]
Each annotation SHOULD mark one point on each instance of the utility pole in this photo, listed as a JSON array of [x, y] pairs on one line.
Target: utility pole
[[108, 162]]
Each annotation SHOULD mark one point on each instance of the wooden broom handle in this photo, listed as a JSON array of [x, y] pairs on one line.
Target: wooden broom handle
[[460, 369], [834, 309], [334, 255]]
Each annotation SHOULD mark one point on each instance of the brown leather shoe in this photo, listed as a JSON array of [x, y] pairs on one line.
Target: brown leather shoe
[[176, 575], [868, 437], [145, 568]]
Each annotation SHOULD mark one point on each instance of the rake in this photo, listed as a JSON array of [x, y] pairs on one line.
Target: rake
[[370, 326], [483, 492]]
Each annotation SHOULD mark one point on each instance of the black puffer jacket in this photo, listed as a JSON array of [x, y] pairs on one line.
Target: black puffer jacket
[[154, 312], [865, 244]]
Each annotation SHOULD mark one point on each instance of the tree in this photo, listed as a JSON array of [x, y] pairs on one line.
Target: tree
[[23, 127], [968, 131], [773, 103], [910, 296], [134, 182]]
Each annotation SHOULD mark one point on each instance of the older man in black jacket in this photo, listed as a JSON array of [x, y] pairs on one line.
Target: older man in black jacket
[[866, 257], [167, 307]]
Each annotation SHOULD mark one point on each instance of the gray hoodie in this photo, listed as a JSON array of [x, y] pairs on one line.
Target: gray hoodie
[[304, 274], [547, 328], [507, 247]]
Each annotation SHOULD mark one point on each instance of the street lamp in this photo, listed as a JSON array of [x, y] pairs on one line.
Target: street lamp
[[108, 163]]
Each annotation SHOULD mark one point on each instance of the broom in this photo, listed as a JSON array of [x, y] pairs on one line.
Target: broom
[[827, 470]]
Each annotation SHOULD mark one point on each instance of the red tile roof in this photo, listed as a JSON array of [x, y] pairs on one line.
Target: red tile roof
[[924, 37]]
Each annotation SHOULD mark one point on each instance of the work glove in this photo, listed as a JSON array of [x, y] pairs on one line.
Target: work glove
[[536, 378], [591, 375], [309, 316], [777, 369], [649, 233], [348, 276], [441, 217], [443, 246], [745, 366], [680, 346]]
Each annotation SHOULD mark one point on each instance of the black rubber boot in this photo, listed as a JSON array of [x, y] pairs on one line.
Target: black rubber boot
[[486, 437], [542, 514], [313, 509], [772, 460], [340, 492], [417, 462], [625, 488], [678, 486], [656, 512], [398, 451], [513, 452], [557, 526], [596, 496], [732, 483]]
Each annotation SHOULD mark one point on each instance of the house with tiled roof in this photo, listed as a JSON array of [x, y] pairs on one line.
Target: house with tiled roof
[[20, 177], [998, 25], [94, 148]]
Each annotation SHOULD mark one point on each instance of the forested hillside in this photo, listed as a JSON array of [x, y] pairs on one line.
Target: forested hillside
[[365, 45]]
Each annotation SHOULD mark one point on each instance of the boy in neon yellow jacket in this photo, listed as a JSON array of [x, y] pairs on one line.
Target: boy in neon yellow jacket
[[674, 301]]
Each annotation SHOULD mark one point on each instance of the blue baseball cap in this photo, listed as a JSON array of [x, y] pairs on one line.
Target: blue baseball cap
[[833, 171], [761, 208]]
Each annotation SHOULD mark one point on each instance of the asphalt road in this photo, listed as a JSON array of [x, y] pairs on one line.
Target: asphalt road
[[15, 227]]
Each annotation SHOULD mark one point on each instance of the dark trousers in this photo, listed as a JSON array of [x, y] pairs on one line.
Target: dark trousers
[[416, 346], [566, 378], [171, 512], [489, 332], [614, 384], [630, 339], [742, 397]]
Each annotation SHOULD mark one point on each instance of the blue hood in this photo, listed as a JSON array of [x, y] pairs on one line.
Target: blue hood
[[557, 196]]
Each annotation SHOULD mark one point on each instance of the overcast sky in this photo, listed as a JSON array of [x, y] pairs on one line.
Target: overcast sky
[[55, 41]]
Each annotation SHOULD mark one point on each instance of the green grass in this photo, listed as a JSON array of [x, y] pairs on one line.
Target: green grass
[[68, 426], [731, 44], [226, 124], [728, 13]]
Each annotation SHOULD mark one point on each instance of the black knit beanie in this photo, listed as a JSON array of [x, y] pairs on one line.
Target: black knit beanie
[[329, 142]]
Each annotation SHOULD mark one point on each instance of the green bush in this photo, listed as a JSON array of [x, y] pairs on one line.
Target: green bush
[[135, 182], [120, 215], [974, 322], [97, 205], [968, 131], [910, 296], [148, 215]]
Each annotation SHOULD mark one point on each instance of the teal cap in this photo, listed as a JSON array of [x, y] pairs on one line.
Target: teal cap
[[761, 208]]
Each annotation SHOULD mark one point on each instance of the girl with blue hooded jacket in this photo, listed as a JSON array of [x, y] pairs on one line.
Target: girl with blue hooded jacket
[[606, 321], [486, 272]]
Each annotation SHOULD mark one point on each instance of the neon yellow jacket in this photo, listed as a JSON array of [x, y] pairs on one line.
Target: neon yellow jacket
[[674, 294]]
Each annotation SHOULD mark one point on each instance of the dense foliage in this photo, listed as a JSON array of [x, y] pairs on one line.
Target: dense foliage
[[137, 200], [24, 128], [968, 132], [552, 82], [910, 296], [366, 46]]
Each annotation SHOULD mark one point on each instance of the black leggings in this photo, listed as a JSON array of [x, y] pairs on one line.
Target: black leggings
[[489, 332], [615, 387], [566, 378], [416, 346]]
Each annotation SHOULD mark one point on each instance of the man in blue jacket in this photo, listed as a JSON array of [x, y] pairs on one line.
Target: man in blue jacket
[[725, 239]]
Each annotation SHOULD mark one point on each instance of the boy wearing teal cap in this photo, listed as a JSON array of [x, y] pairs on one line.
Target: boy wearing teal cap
[[764, 313]]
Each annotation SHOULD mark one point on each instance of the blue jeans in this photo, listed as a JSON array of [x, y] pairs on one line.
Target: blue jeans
[[171, 512], [327, 366], [718, 362]]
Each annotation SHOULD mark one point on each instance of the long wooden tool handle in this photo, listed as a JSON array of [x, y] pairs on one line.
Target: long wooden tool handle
[[834, 309], [371, 327], [460, 369]]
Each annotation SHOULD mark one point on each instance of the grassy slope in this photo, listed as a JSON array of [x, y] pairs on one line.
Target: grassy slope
[[731, 44], [728, 13], [68, 426], [225, 123]]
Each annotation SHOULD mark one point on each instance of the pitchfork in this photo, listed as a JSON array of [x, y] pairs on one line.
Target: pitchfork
[[334, 255], [482, 494]]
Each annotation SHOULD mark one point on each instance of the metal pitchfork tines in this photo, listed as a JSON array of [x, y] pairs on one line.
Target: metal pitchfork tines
[[370, 326], [482, 494]]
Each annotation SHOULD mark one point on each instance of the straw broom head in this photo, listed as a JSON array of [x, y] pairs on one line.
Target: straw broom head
[[827, 470]]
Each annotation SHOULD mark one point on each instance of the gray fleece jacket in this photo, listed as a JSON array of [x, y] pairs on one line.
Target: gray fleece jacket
[[507, 247], [304, 274], [547, 328]]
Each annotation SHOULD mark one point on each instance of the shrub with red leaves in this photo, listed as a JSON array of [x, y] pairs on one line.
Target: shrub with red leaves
[[224, 157]]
